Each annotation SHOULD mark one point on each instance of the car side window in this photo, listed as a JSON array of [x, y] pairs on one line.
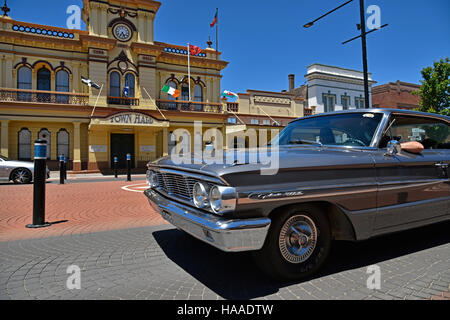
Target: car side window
[[431, 133]]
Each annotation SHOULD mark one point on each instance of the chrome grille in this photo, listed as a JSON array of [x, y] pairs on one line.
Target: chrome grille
[[176, 184]]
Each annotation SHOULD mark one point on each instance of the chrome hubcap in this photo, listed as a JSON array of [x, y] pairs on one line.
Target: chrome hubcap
[[298, 239]]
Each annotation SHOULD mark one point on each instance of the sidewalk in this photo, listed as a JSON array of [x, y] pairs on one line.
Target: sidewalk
[[54, 175], [76, 208]]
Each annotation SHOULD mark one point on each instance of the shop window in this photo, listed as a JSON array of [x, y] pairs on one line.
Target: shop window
[[24, 144], [63, 143]]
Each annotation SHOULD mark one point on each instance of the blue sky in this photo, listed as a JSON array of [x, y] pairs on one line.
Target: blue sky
[[264, 40]]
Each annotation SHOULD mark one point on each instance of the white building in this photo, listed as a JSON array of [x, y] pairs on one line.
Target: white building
[[333, 88]]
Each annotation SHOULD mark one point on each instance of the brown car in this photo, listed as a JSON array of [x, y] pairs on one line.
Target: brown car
[[346, 175]]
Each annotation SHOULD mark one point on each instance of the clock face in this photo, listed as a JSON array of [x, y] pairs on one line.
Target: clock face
[[122, 32]]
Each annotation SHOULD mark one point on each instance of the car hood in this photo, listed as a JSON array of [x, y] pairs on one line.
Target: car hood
[[266, 162]]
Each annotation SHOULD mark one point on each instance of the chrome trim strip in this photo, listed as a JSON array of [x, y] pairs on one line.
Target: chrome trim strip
[[252, 197]]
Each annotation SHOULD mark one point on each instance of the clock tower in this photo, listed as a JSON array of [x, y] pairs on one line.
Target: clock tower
[[125, 21]]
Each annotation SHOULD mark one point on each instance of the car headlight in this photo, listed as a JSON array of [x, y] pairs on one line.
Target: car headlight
[[222, 199], [200, 195], [151, 179]]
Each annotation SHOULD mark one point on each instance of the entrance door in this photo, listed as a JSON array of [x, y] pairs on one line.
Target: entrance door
[[121, 145]]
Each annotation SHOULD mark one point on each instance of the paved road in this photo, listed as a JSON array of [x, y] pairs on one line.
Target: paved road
[[156, 261]]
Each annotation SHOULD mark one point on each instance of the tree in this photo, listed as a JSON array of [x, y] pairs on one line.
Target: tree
[[435, 89]]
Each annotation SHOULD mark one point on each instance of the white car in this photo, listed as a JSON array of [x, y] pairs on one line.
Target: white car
[[20, 172]]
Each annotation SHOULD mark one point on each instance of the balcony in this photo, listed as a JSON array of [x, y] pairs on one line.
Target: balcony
[[233, 107], [123, 101], [47, 97], [177, 105]]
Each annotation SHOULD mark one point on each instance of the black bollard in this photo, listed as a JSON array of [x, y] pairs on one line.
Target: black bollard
[[116, 160], [40, 168], [65, 168], [128, 167], [61, 169]]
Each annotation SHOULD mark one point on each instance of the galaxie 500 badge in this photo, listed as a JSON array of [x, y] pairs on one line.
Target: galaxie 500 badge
[[275, 195]]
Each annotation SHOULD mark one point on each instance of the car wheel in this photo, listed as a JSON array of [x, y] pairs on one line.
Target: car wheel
[[21, 176], [297, 245]]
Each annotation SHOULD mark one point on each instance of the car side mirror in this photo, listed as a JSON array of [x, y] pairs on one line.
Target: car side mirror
[[393, 147]]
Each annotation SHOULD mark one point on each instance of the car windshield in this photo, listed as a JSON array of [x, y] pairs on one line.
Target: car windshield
[[349, 129], [3, 158]]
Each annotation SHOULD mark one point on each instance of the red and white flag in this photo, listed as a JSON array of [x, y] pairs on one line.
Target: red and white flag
[[194, 50]]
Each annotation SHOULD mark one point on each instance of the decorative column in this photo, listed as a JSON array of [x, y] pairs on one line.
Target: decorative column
[[165, 142], [76, 147], [4, 138]]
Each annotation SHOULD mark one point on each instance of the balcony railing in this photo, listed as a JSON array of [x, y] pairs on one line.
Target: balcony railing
[[123, 101], [232, 106], [38, 96], [177, 105]]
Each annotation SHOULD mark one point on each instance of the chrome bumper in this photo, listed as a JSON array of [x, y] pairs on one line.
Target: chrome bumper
[[227, 235]]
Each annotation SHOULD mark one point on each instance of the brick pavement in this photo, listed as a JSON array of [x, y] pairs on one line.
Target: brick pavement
[[84, 207], [126, 251], [160, 262]]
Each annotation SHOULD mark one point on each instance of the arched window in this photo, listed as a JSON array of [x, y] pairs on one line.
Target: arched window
[[198, 96], [63, 143], [130, 84], [114, 84], [62, 81], [43, 79], [45, 135], [62, 85], [24, 144], [24, 75], [43, 83], [185, 92]]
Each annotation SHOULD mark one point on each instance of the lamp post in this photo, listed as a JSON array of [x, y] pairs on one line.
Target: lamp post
[[362, 27]]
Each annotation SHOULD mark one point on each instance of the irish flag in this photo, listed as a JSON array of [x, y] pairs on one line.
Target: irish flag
[[172, 91]]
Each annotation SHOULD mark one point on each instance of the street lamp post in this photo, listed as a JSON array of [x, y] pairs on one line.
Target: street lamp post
[[364, 53], [362, 27]]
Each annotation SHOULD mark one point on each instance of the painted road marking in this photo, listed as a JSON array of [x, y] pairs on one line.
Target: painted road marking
[[140, 187]]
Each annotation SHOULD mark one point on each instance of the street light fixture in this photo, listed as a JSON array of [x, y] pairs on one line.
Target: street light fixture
[[362, 27]]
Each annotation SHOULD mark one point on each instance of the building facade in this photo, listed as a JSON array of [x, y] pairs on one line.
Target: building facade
[[396, 95], [261, 111], [332, 88], [42, 94]]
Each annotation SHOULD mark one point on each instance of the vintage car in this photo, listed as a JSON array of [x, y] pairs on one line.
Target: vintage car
[[348, 175], [19, 172]]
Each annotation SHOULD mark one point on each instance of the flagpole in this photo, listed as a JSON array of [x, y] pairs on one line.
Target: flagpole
[[217, 34], [95, 106], [189, 71]]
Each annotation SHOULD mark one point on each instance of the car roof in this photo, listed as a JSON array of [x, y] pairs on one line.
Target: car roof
[[383, 111]]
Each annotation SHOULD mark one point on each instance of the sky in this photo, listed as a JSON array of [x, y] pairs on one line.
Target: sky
[[264, 41]]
